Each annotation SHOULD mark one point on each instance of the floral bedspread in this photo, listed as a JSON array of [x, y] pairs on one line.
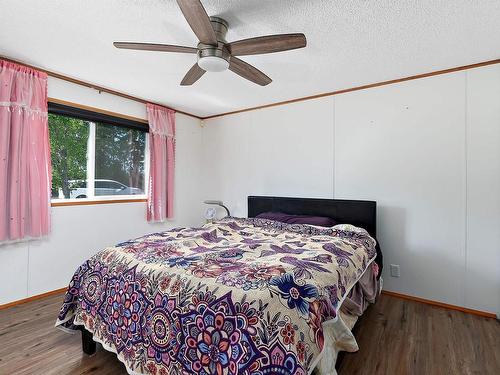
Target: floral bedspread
[[238, 296]]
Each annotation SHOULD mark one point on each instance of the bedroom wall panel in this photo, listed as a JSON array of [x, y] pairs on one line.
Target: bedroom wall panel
[[294, 155], [13, 272], [286, 150], [78, 232], [225, 162], [427, 150], [482, 276], [34, 267], [404, 146]]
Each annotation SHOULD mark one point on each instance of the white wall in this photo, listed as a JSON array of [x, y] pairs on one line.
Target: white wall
[[482, 272], [404, 146], [426, 150], [261, 152], [35, 267]]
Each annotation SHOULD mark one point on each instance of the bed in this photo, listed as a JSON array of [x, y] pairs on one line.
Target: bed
[[237, 296]]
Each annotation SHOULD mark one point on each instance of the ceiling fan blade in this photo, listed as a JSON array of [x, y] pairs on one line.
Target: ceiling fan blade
[[267, 44], [199, 21], [154, 47], [248, 71], [192, 75]]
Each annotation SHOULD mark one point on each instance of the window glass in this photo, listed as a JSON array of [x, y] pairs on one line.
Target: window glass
[[119, 160], [91, 159], [68, 148]]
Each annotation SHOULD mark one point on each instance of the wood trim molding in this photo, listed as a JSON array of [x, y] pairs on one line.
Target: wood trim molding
[[92, 202], [93, 86], [440, 304], [331, 93], [33, 298], [364, 87], [98, 110]]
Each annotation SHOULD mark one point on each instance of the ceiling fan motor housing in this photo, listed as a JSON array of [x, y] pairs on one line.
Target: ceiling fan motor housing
[[215, 58]]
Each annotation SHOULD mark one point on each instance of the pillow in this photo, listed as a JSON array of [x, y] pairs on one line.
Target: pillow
[[320, 221]]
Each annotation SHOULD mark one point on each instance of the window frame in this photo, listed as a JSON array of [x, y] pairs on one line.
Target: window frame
[[95, 115]]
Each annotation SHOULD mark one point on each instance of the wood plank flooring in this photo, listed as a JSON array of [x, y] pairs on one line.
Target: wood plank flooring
[[395, 336]]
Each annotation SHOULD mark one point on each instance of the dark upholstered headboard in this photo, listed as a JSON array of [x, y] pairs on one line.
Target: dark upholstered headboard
[[359, 213]]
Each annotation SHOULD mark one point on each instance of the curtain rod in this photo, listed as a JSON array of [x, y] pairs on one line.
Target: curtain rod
[[92, 86]]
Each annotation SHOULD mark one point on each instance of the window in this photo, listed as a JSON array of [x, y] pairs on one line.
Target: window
[[119, 160], [96, 156]]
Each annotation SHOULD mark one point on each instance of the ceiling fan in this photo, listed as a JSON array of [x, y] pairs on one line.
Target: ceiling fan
[[214, 53]]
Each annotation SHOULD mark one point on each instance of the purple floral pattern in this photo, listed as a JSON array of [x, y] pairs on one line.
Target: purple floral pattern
[[163, 328], [280, 361], [215, 341], [297, 296], [176, 302], [123, 310]]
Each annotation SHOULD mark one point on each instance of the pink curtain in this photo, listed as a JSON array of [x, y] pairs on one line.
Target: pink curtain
[[25, 171], [162, 160]]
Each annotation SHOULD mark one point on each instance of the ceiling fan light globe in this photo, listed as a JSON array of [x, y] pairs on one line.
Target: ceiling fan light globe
[[213, 63]]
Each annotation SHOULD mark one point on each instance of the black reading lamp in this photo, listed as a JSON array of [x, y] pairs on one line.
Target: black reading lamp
[[210, 215]]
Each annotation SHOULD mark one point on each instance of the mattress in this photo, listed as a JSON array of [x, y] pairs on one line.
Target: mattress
[[238, 296]]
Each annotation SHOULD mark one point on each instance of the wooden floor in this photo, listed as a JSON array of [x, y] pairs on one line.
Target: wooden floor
[[395, 336]]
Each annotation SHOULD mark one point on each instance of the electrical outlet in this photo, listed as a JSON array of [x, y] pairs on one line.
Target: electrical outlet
[[395, 270]]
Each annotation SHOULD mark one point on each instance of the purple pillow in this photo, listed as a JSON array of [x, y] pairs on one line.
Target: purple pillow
[[320, 221]]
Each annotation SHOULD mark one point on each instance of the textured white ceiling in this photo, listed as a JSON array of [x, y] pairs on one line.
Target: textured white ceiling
[[350, 43]]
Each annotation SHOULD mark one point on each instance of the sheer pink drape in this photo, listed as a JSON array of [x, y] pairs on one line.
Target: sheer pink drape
[[162, 162], [25, 172]]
